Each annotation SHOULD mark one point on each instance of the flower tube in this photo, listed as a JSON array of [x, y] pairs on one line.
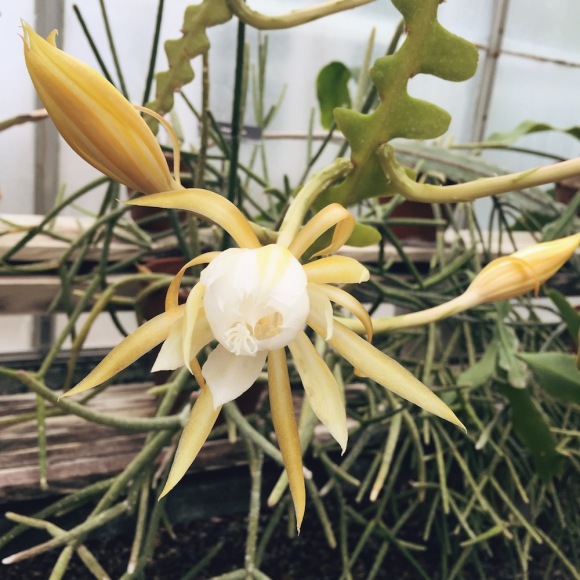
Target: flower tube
[[94, 118]]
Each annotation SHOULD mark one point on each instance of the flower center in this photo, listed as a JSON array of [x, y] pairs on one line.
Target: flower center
[[268, 326], [255, 300], [240, 339]]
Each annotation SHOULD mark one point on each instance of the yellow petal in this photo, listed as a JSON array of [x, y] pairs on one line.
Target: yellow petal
[[321, 388], [132, 347], [383, 369], [208, 205], [346, 300], [328, 217], [320, 303], [171, 299], [94, 118], [286, 429], [336, 270], [199, 425]]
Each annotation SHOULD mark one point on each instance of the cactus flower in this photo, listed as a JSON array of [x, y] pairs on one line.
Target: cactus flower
[[503, 278], [521, 272], [94, 118], [252, 302]]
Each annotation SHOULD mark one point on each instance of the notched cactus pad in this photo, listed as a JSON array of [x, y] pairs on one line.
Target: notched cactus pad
[[193, 42], [428, 49]]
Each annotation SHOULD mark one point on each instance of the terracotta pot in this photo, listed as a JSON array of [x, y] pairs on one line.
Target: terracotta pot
[[414, 209], [154, 304], [567, 189]]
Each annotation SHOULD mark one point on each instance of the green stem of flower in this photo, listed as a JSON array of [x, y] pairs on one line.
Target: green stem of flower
[[92, 44], [204, 122], [34, 116], [154, 48], [421, 318], [113, 49], [256, 464], [41, 433], [49, 217], [291, 19], [78, 532], [232, 412], [141, 461], [128, 424], [299, 207], [102, 301], [237, 120], [62, 563], [424, 192], [80, 307], [60, 508], [142, 512], [84, 554]]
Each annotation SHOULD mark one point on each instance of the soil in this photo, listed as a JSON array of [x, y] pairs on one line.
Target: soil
[[210, 510], [305, 557]]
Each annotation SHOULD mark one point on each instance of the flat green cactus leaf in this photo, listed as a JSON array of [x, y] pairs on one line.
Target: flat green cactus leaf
[[428, 49], [364, 235], [194, 41], [448, 56], [418, 119], [527, 128], [332, 90]]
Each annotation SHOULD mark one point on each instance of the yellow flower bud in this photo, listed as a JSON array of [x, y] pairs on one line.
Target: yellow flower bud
[[511, 276], [94, 118]]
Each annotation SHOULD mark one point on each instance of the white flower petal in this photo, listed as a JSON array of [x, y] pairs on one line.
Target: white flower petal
[[228, 375], [255, 299], [170, 356]]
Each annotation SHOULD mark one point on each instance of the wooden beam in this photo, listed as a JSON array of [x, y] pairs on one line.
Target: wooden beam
[[44, 246]]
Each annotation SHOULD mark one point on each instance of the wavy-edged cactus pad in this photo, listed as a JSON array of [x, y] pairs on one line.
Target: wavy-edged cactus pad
[[193, 42], [429, 49]]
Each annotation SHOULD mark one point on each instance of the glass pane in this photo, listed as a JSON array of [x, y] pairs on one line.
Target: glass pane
[[540, 91], [548, 29], [17, 97]]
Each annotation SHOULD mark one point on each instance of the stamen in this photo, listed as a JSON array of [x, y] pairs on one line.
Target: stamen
[[268, 326], [240, 341]]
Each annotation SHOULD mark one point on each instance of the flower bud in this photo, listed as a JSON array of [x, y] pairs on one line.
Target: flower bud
[[511, 276], [94, 118]]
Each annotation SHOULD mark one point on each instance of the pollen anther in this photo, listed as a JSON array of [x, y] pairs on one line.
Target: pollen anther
[[240, 340]]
